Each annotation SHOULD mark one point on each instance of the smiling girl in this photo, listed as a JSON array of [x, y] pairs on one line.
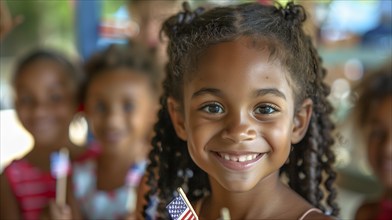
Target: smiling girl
[[244, 102]]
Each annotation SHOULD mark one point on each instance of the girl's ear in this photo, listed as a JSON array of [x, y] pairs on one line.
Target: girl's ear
[[301, 121], [177, 118]]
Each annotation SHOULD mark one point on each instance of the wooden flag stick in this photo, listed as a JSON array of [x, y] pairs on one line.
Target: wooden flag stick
[[225, 214], [179, 190], [61, 183]]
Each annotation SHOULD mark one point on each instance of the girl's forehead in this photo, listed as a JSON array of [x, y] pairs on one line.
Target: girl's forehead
[[119, 81], [42, 72], [44, 66], [267, 49], [120, 75], [238, 55], [234, 65]]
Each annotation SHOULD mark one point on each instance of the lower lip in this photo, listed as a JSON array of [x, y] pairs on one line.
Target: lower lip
[[238, 166]]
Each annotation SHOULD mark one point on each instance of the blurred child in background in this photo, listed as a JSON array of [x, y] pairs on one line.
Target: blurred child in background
[[150, 14], [120, 96], [374, 117], [46, 90]]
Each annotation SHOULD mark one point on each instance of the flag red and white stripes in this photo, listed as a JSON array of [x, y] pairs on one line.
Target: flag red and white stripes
[[180, 208]]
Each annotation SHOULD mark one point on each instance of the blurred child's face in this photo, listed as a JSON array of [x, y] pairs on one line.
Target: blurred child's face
[[120, 109], [45, 101], [238, 115], [380, 141], [150, 15]]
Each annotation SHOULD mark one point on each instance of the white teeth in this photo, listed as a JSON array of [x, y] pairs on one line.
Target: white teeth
[[241, 158]]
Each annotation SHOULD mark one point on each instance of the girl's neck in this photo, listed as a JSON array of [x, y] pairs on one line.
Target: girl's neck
[[112, 161], [120, 159], [261, 202], [113, 167]]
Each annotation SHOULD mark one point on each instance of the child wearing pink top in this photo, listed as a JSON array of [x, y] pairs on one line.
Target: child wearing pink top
[[46, 88]]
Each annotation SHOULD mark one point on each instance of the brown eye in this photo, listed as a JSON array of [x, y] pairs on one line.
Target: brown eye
[[213, 108], [56, 98], [128, 107], [26, 100], [265, 109], [100, 107]]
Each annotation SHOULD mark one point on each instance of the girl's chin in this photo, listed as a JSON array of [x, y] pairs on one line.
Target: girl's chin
[[237, 186], [115, 148]]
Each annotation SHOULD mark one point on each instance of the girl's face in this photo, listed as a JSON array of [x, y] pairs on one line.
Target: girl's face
[[380, 141], [45, 101], [238, 115], [120, 108]]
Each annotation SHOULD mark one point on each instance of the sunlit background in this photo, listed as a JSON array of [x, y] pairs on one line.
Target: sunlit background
[[353, 37]]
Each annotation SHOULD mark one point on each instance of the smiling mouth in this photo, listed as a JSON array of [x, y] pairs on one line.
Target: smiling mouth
[[238, 161], [239, 158]]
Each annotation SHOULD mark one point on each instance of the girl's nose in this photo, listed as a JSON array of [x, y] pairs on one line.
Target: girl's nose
[[239, 128], [40, 108], [114, 119]]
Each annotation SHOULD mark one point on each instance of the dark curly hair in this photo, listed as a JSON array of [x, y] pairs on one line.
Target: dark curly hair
[[132, 56], [309, 168], [71, 70]]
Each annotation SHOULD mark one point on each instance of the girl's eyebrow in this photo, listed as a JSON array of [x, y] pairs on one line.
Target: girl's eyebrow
[[257, 93], [203, 91], [273, 91]]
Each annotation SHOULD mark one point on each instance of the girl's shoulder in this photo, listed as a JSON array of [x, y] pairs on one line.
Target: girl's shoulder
[[300, 209], [22, 171], [367, 210], [19, 167], [17, 163]]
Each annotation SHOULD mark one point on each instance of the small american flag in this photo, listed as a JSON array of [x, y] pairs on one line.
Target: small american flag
[[136, 173], [180, 208], [59, 163]]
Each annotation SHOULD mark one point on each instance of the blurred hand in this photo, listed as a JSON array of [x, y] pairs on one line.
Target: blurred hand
[[7, 22], [56, 212]]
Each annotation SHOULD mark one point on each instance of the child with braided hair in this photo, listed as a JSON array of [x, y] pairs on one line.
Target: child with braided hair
[[244, 103]]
